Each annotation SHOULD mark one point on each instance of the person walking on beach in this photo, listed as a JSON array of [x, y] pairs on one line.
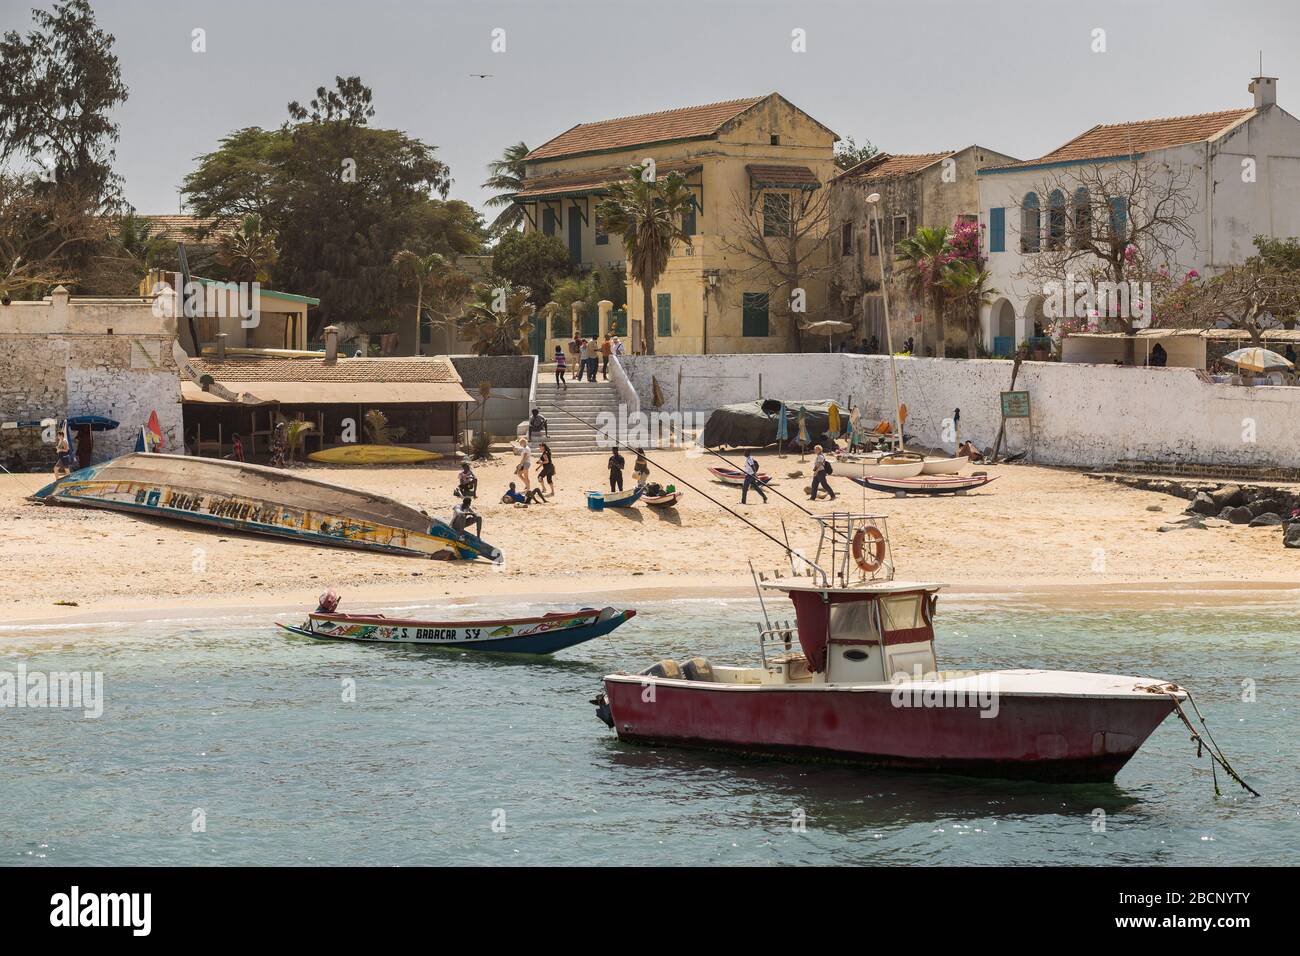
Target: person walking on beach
[[546, 471], [463, 515], [821, 468], [560, 368], [616, 464], [606, 349], [525, 464], [641, 468], [63, 463], [750, 470]]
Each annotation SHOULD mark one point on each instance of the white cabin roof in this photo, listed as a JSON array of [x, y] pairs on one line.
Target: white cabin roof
[[866, 587]]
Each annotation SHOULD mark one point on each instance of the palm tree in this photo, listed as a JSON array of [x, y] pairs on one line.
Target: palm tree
[[923, 256], [250, 251], [505, 332], [506, 176], [648, 216], [967, 284], [425, 269]]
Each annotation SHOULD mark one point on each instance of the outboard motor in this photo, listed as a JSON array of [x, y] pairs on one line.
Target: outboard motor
[[328, 602]]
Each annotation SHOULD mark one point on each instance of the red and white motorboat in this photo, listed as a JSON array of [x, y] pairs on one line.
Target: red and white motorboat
[[856, 680]]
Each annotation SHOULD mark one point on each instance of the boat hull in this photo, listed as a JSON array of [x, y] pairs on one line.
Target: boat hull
[[944, 466], [538, 635], [622, 499], [924, 485], [729, 477], [1039, 737], [664, 501], [374, 455], [909, 469], [234, 496]]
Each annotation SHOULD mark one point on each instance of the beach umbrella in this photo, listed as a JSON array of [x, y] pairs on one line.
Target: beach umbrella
[[802, 434], [97, 423], [782, 431], [828, 328], [855, 416], [833, 424], [1257, 360]]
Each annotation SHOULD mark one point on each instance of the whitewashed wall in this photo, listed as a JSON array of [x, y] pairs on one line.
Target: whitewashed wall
[[1083, 415]]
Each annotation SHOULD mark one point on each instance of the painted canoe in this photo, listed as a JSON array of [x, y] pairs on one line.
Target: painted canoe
[[926, 485], [619, 499], [730, 476], [668, 500], [944, 466], [905, 469], [526, 635], [236, 496], [374, 455]]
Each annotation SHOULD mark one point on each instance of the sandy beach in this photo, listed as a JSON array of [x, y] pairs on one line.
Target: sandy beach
[[1049, 532]]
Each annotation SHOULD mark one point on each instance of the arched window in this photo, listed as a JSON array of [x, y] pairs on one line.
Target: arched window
[[1056, 220], [1082, 217], [1030, 224]]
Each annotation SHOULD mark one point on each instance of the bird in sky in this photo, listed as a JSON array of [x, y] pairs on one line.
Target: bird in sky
[[482, 76]]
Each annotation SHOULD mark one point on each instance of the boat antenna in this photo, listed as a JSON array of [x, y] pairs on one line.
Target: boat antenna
[[706, 497]]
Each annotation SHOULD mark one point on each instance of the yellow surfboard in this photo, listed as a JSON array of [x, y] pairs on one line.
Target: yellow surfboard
[[373, 455]]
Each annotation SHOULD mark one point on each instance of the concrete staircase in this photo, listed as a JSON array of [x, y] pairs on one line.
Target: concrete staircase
[[584, 399]]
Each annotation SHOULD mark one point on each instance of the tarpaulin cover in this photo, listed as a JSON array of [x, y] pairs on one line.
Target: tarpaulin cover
[[754, 424]]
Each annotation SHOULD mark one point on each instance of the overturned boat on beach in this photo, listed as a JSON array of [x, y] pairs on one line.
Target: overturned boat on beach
[[235, 496]]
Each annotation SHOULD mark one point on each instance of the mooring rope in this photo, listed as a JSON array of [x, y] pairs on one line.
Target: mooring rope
[[1207, 743]]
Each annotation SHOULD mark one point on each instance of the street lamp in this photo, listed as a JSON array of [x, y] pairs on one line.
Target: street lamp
[[711, 287], [874, 201]]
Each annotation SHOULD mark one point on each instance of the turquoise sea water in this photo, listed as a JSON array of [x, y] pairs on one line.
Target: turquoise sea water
[[248, 724]]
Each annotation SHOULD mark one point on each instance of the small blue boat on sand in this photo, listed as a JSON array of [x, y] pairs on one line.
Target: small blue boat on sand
[[521, 635]]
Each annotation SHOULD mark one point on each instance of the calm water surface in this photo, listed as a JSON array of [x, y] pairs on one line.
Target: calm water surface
[[248, 724]]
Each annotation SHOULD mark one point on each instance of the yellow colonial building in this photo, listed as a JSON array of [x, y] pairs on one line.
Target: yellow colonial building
[[757, 168]]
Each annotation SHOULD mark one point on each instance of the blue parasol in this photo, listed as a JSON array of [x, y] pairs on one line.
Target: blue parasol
[[782, 429]]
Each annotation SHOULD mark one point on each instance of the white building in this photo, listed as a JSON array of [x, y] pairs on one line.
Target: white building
[[1239, 172]]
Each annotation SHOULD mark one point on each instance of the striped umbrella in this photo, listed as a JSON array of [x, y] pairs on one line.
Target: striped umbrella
[[1258, 360]]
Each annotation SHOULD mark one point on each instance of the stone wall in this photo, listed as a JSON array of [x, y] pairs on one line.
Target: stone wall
[[1083, 415], [60, 358]]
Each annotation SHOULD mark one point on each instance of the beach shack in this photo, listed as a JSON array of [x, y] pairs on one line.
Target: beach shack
[[420, 396]]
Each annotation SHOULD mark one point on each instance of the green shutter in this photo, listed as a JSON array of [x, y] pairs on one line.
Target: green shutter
[[664, 309], [755, 321]]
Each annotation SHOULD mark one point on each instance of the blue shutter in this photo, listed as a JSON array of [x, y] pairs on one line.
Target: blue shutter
[[1119, 216], [998, 229], [575, 235], [548, 222]]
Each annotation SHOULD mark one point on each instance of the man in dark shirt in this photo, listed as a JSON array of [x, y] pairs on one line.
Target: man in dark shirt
[[616, 464]]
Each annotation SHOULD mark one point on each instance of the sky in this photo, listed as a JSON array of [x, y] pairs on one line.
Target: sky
[[1017, 76]]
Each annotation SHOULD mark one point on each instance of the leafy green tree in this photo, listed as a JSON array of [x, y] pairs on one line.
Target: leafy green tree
[[346, 197], [848, 153], [533, 260], [648, 217], [967, 285], [506, 176]]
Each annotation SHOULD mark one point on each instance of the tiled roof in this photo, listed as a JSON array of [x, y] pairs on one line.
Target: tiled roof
[[691, 122], [593, 180], [253, 368], [1123, 139], [886, 165], [179, 228], [782, 175]]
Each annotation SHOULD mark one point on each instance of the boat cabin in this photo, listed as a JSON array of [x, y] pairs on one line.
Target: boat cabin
[[854, 623]]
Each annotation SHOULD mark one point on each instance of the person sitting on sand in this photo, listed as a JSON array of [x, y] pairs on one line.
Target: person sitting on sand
[[512, 496], [466, 482], [463, 515]]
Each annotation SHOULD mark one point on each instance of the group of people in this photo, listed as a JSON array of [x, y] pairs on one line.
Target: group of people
[[822, 470], [616, 464], [862, 347], [587, 357]]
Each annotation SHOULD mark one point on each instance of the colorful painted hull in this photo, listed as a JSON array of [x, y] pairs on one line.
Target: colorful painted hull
[[235, 496], [729, 476], [938, 485], [1050, 737], [531, 635]]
